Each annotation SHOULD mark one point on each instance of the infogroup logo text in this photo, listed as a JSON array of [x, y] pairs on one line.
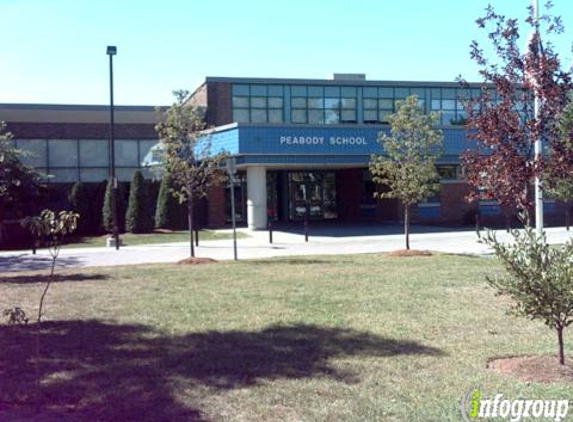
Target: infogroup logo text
[[475, 405]]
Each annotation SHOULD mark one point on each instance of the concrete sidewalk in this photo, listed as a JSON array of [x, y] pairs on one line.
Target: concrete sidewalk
[[325, 241]]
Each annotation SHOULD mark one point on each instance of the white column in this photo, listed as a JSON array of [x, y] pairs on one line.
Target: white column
[[257, 197]]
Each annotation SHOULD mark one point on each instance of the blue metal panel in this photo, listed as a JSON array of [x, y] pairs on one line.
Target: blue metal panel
[[321, 145], [225, 140], [489, 209], [429, 212]]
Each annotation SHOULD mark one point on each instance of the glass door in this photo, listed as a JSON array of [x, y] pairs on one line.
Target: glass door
[[312, 195]]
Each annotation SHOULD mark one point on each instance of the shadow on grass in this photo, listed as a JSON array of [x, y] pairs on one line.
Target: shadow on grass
[[93, 370], [44, 278], [295, 261], [28, 262]]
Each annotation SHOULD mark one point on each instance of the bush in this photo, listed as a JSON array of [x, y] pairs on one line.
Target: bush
[[138, 218], [80, 203], [107, 215], [169, 214]]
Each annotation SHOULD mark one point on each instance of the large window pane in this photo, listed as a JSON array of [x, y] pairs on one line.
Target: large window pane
[[241, 102], [316, 116], [298, 91], [298, 102], [259, 90], [298, 116], [332, 91], [258, 116], [369, 103], [259, 102], [332, 117], [64, 175], [370, 116], [63, 152], [240, 89], [126, 153], [315, 103], [370, 92], [331, 103], [145, 148], [348, 91], [37, 150], [386, 92], [275, 102], [276, 116], [349, 103], [385, 104], [93, 174], [241, 115], [275, 90], [94, 153], [348, 116]]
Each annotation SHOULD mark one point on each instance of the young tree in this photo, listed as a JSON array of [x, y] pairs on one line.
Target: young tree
[[538, 278], [501, 118], [18, 182], [137, 217], [187, 154], [407, 171], [51, 230]]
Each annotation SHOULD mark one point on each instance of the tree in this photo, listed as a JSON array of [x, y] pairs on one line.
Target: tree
[[501, 117], [538, 278], [187, 154], [50, 231], [137, 217], [81, 204], [18, 182], [559, 184], [107, 214], [408, 171], [166, 211]]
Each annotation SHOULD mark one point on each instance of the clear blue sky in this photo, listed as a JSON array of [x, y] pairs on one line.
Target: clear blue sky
[[53, 51]]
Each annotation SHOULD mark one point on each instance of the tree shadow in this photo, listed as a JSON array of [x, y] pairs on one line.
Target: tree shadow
[[93, 370], [44, 278], [28, 262]]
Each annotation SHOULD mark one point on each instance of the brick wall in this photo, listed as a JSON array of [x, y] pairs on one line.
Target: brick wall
[[219, 104], [216, 206]]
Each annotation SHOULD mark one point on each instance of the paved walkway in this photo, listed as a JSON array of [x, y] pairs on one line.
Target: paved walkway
[[322, 241]]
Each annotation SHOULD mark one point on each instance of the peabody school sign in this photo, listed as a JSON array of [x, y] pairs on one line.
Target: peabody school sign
[[321, 140]]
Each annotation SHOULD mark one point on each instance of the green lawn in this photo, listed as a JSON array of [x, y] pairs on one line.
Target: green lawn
[[339, 338], [130, 239]]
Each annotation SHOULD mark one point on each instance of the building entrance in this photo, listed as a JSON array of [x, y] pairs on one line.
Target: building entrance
[[311, 195]]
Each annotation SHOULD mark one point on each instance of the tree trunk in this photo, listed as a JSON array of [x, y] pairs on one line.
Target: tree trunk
[[567, 214], [407, 225], [561, 349], [190, 223]]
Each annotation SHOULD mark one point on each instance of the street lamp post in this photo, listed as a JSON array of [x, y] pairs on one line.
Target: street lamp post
[[538, 147], [112, 51], [231, 168]]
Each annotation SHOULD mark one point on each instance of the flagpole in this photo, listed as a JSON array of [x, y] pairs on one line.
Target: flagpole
[[537, 146]]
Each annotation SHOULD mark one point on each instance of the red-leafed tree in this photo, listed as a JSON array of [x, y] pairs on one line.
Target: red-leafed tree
[[501, 118]]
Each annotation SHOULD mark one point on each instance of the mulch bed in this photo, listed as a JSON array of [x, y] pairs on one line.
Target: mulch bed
[[410, 252], [543, 369], [196, 261]]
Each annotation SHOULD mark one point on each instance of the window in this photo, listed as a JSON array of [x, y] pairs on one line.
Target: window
[[257, 103], [450, 172]]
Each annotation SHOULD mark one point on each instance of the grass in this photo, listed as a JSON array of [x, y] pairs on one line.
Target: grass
[[131, 239], [330, 338]]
